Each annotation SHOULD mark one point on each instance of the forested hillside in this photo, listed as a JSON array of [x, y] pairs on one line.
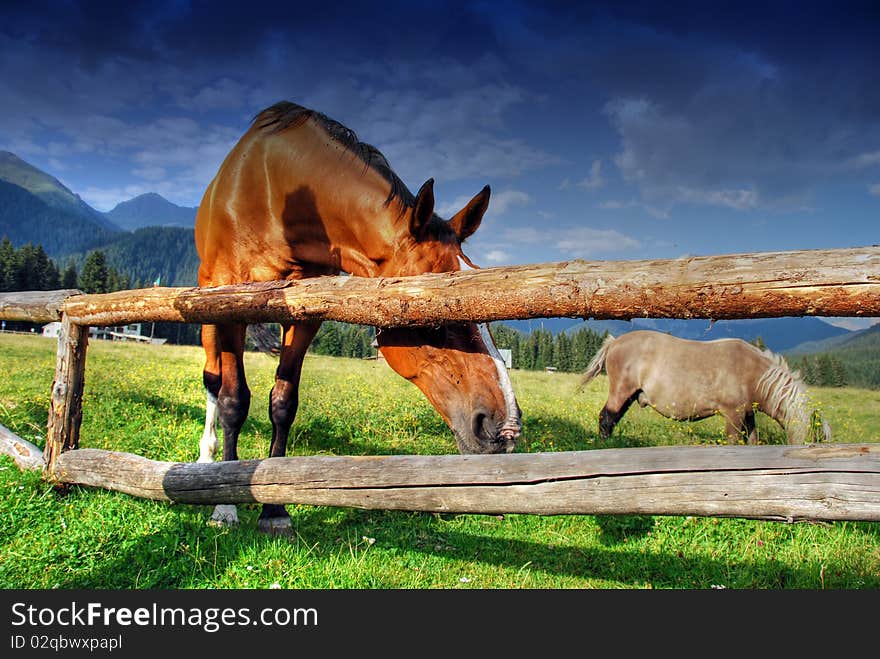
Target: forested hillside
[[853, 362], [164, 253], [25, 218]]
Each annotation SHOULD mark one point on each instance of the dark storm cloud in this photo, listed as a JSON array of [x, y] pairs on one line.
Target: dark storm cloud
[[730, 104]]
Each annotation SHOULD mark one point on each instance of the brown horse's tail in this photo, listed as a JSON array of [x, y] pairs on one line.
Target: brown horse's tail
[[598, 362]]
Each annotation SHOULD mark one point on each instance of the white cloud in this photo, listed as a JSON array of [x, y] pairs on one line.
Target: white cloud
[[653, 211], [584, 241], [497, 256], [874, 189], [499, 203], [577, 242], [594, 181], [866, 159], [737, 199], [223, 94], [151, 172]]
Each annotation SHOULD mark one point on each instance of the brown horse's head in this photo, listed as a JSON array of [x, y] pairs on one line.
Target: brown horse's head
[[456, 365]]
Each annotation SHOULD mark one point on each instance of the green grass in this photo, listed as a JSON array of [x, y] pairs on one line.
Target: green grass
[[149, 400]]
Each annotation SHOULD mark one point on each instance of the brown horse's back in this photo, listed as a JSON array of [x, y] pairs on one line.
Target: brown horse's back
[[272, 212]]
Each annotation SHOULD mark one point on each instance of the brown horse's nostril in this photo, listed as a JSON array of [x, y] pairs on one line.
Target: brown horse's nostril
[[482, 427]]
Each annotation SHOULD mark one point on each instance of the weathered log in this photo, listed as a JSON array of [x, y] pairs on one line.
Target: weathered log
[[811, 482], [25, 454], [838, 282], [34, 306], [65, 410]]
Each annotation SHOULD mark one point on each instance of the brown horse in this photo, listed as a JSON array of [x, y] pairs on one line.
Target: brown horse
[[691, 380], [299, 196]]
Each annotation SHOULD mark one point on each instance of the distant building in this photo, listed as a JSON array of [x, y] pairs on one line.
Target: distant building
[[52, 330], [130, 332]]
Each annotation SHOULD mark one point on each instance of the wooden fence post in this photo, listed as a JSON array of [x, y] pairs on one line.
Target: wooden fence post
[[65, 411]]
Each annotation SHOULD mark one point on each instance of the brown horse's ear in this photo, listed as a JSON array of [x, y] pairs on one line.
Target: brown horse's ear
[[468, 219], [423, 209]]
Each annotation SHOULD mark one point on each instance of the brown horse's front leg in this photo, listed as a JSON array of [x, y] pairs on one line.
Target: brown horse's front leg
[[283, 405], [233, 402]]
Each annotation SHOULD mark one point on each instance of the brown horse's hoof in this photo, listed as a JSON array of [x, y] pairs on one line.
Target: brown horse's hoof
[[275, 525], [224, 515]]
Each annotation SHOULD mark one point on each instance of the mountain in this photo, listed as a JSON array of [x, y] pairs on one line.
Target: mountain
[[778, 334], [25, 218], [149, 210], [49, 190]]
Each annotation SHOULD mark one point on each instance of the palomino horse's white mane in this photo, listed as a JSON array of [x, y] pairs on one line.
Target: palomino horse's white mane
[[783, 390]]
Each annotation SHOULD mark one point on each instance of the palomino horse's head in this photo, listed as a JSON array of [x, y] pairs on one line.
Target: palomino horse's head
[[456, 365]]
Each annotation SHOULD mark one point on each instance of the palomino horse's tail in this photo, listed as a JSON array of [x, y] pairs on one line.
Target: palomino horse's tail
[[598, 362]]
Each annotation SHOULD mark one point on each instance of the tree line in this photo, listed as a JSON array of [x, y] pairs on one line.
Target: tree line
[[540, 348], [822, 370], [534, 351], [28, 268]]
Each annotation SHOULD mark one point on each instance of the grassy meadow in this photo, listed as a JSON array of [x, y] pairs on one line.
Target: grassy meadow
[[149, 400]]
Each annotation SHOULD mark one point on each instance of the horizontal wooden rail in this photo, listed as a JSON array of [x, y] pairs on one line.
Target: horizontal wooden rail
[[25, 454], [34, 306], [836, 282], [810, 482]]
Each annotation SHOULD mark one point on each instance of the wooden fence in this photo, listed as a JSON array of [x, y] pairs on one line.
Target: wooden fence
[[818, 482]]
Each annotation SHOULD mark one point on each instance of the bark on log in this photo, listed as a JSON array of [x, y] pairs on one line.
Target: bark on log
[[25, 454], [34, 306], [65, 410], [839, 282], [811, 482]]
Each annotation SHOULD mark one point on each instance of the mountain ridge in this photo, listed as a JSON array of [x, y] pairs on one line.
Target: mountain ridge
[[151, 209], [48, 189]]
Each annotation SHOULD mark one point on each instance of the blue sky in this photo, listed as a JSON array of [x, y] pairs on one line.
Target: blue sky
[[606, 130]]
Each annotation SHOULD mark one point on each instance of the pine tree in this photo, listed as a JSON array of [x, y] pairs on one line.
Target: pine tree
[[562, 353], [69, 278], [93, 278], [7, 265], [825, 370]]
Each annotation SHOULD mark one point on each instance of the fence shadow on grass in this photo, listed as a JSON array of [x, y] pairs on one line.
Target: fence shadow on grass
[[183, 552], [610, 560]]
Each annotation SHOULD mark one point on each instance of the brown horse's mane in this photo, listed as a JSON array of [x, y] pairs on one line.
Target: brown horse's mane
[[284, 115]]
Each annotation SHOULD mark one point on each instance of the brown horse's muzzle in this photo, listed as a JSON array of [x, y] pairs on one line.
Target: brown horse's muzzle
[[481, 433]]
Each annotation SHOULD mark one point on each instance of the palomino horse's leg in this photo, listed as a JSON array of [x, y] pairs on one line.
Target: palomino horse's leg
[[283, 404], [612, 413], [751, 430], [736, 426], [233, 401]]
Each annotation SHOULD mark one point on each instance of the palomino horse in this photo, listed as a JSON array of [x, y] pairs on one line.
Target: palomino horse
[[298, 196], [691, 380]]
